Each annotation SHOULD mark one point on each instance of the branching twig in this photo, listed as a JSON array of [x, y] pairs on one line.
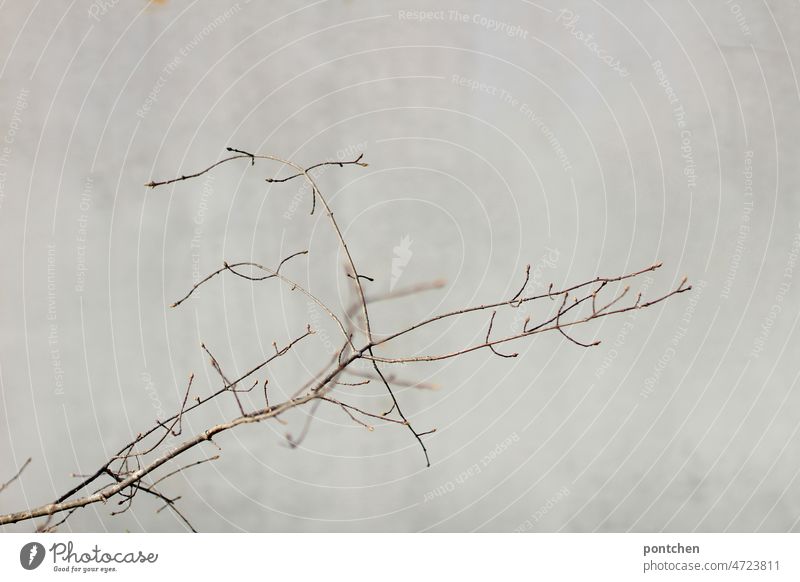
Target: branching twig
[[137, 466], [356, 162]]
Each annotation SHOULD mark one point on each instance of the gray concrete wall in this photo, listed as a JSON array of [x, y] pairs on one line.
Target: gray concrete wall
[[586, 138]]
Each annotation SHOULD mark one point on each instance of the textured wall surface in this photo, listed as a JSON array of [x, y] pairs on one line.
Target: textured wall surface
[[584, 138]]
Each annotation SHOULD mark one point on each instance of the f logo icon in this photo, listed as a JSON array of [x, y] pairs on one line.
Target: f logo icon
[[31, 555]]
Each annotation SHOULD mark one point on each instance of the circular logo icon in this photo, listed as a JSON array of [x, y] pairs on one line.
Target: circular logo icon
[[31, 555]]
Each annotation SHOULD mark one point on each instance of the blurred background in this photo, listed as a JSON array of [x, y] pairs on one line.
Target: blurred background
[[585, 138]]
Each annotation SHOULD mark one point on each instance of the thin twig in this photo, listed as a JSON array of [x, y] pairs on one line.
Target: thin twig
[[15, 477], [273, 274], [522, 289], [356, 162], [223, 377], [489, 344], [181, 469]]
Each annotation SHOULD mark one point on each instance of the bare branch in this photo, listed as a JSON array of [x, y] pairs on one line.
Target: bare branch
[[137, 465], [15, 477], [183, 468], [550, 294], [551, 326], [362, 383]]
